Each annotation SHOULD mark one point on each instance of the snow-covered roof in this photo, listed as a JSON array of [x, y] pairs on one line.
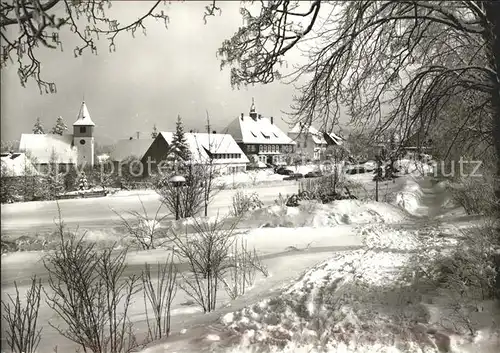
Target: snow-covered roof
[[333, 139], [17, 164], [83, 118], [41, 147], [298, 129], [260, 130], [317, 136], [201, 143], [130, 148]]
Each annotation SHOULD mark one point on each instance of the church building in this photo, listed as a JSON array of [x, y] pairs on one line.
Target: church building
[[65, 150]]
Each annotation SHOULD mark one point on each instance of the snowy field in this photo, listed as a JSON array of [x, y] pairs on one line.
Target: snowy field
[[340, 280]]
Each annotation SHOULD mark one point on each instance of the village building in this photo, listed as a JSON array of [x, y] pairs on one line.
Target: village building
[[218, 150], [129, 149], [312, 143], [64, 150], [17, 165], [262, 141]]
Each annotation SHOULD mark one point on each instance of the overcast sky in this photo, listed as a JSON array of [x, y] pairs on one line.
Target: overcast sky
[[148, 80]]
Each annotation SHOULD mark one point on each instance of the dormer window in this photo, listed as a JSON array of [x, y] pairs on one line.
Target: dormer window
[[265, 136], [253, 134], [83, 129], [275, 135]]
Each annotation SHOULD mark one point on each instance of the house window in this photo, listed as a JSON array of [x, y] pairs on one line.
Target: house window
[[83, 129]]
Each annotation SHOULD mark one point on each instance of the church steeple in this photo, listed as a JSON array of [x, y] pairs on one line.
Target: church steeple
[[83, 136], [253, 113], [83, 118]]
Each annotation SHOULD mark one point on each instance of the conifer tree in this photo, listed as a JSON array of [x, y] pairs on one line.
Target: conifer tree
[[82, 182], [38, 128], [179, 147], [60, 127]]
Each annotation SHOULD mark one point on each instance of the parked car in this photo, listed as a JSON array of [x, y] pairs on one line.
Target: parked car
[[283, 171], [294, 176], [315, 174], [356, 169]]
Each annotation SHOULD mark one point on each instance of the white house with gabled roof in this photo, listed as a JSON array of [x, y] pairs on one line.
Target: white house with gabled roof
[[66, 149], [260, 139], [219, 150], [311, 142]]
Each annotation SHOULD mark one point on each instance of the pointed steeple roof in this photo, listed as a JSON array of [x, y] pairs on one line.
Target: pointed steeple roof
[[84, 117]]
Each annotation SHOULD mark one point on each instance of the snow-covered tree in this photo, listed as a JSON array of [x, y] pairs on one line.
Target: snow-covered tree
[[60, 127], [53, 180], [82, 182], [179, 147], [38, 127]]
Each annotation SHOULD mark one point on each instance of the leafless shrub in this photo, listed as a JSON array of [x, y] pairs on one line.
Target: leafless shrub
[[465, 276], [21, 320], [160, 296], [207, 253], [281, 200], [146, 231], [475, 195], [194, 195], [242, 203], [90, 295], [244, 265]]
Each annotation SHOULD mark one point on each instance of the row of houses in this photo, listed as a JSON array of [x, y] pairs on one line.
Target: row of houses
[[250, 139]]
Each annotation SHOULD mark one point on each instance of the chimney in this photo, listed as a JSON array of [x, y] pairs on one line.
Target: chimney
[[130, 138], [190, 131], [214, 132], [272, 120], [137, 134], [241, 116]]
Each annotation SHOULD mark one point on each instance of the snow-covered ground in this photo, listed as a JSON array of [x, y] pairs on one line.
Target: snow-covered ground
[[338, 283], [355, 301]]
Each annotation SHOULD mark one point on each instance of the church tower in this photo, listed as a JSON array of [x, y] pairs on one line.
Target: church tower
[[83, 137]]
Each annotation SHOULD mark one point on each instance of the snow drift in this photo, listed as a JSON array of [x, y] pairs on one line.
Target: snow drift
[[313, 214]]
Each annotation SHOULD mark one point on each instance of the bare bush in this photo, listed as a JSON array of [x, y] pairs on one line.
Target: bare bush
[[188, 199], [160, 297], [243, 269], [242, 203], [281, 200], [475, 195], [332, 184], [91, 295], [146, 231], [466, 276], [207, 253], [21, 320]]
